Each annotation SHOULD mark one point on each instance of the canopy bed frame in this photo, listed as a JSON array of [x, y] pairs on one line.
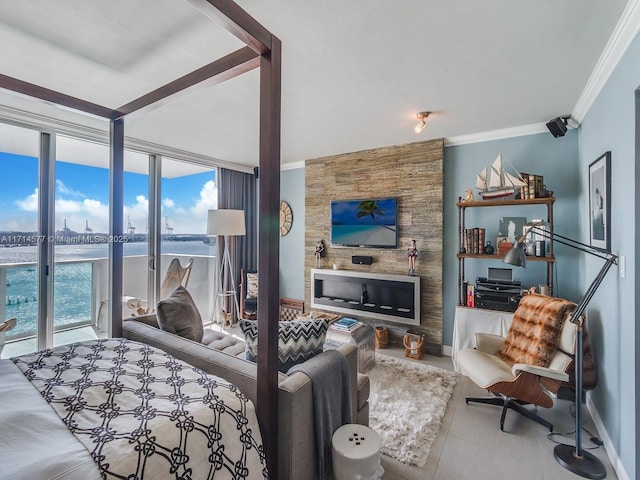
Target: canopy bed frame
[[263, 50]]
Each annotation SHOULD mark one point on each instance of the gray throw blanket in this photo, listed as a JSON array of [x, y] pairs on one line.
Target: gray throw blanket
[[329, 374]]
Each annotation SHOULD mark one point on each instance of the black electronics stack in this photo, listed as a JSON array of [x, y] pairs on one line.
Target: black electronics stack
[[502, 295]]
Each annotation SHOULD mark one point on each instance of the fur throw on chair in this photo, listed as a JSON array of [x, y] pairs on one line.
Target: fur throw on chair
[[534, 333]]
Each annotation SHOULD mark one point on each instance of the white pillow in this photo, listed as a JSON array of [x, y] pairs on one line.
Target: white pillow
[[252, 285]]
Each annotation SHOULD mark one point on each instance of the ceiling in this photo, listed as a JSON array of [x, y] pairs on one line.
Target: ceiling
[[354, 74]]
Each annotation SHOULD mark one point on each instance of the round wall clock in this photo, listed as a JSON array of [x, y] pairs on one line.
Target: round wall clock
[[286, 218]]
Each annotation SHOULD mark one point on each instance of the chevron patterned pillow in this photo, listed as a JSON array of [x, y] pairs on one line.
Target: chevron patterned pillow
[[298, 340]]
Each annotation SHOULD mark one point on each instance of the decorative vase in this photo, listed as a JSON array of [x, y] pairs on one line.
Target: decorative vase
[[488, 248], [382, 337]]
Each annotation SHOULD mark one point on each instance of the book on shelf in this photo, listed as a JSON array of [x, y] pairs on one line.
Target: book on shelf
[[474, 239], [471, 297], [533, 186], [345, 324], [524, 190], [474, 245], [468, 238]]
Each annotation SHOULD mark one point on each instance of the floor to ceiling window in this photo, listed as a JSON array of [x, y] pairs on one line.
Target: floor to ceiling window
[[165, 210], [81, 198], [136, 281], [188, 191], [19, 234]]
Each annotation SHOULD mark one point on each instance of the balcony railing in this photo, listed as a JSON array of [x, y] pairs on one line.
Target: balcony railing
[[81, 291]]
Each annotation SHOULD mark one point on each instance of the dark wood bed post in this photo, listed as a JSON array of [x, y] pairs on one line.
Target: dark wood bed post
[[264, 50], [269, 252]]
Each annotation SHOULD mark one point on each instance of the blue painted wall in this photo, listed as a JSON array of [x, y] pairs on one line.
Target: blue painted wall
[[610, 125], [556, 159], [292, 244]]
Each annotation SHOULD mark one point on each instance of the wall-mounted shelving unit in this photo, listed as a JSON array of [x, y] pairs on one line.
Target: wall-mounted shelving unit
[[462, 207]]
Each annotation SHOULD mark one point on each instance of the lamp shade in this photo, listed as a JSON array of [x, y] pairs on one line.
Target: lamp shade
[[516, 256], [225, 222]]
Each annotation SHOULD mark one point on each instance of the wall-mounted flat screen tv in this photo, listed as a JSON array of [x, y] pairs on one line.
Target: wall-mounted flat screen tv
[[365, 223]]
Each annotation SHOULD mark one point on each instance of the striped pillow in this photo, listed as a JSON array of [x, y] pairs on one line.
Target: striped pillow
[[298, 340]]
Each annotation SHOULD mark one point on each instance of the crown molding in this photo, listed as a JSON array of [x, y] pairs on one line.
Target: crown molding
[[626, 30], [500, 134], [292, 165]]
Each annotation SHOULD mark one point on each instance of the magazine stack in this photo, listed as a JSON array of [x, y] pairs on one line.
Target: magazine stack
[[346, 325]]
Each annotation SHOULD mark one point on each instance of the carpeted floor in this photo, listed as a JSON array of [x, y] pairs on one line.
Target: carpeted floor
[[407, 403]]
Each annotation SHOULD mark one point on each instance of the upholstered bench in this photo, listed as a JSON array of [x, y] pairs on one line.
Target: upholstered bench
[[224, 343]]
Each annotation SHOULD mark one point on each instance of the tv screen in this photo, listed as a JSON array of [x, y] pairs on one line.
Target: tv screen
[[365, 223]]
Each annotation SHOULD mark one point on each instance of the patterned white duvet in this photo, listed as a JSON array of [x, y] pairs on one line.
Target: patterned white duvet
[[141, 413]]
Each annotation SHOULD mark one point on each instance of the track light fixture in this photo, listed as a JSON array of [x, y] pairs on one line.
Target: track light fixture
[[421, 124], [558, 126]]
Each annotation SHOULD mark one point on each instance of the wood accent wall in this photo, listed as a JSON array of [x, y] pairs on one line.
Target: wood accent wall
[[414, 174]]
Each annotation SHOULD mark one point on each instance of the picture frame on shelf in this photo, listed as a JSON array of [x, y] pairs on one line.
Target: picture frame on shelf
[[511, 227], [600, 202]]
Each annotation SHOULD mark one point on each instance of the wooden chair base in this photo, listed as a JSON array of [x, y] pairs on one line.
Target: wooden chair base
[[510, 403]]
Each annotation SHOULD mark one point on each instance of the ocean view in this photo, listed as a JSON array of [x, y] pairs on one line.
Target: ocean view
[[72, 284]]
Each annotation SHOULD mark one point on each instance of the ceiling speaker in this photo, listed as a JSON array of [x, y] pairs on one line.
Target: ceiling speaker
[[557, 127]]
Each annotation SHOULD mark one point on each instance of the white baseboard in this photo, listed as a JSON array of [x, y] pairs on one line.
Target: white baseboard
[[608, 444], [446, 350]]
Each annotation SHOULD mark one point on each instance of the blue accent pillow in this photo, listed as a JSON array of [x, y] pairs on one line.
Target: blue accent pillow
[[298, 340]]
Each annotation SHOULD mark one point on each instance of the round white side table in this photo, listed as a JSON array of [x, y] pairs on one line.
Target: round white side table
[[356, 453]]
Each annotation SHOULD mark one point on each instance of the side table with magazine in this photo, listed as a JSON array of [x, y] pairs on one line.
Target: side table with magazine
[[349, 330]]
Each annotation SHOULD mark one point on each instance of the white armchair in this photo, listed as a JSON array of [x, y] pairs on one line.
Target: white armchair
[[515, 384]]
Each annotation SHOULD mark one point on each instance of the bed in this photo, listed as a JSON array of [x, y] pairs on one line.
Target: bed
[[119, 409]]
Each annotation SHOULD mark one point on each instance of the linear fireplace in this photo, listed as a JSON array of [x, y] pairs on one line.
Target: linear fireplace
[[395, 298]]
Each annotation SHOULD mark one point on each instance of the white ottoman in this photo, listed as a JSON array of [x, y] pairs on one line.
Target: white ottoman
[[356, 453]]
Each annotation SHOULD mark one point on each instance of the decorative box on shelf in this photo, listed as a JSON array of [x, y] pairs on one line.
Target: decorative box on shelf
[[413, 344]]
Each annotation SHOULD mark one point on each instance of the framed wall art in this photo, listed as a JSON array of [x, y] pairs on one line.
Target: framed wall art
[[600, 202]]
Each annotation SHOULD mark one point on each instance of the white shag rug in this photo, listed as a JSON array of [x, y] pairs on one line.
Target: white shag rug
[[406, 405]]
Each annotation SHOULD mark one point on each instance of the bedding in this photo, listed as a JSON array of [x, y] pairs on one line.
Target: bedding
[[137, 411]]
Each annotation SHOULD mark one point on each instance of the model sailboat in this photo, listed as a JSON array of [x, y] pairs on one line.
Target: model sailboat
[[496, 183]]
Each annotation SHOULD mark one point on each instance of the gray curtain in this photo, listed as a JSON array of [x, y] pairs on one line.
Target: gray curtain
[[238, 191]]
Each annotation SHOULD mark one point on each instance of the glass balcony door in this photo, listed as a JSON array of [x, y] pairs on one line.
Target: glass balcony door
[[81, 197], [188, 191], [19, 238], [54, 236]]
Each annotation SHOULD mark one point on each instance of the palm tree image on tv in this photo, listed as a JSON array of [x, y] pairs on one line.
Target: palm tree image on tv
[[364, 223], [372, 208]]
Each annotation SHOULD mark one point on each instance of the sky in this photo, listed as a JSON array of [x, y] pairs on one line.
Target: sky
[[82, 195]]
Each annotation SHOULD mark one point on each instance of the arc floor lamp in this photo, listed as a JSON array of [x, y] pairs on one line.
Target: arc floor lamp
[[574, 459], [225, 223]]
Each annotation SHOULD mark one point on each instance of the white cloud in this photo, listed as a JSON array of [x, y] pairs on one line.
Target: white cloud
[[208, 200], [67, 206], [29, 204], [77, 212], [62, 189], [136, 214]]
